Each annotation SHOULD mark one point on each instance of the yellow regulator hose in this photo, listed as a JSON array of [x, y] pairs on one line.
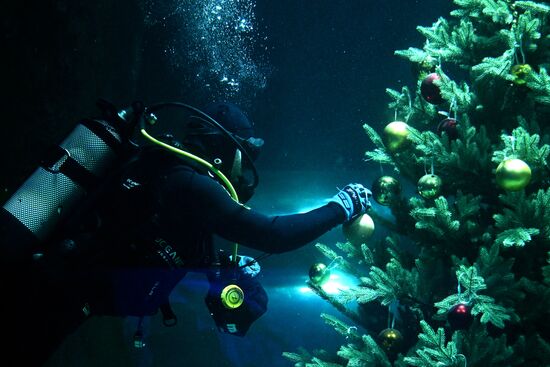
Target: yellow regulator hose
[[203, 162]]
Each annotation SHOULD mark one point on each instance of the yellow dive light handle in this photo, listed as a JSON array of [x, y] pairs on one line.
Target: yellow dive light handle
[[203, 162]]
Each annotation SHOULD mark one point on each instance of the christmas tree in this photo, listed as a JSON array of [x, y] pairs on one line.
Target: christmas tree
[[463, 276]]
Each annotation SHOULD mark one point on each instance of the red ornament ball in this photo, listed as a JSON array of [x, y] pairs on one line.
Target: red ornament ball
[[430, 91], [460, 316], [449, 126]]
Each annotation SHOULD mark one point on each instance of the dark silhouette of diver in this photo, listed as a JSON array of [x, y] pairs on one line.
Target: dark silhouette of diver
[[153, 223]]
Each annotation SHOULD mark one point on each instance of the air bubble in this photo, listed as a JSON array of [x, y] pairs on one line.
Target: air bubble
[[219, 41]]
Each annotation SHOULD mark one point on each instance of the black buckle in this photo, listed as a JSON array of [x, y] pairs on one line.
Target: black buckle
[[59, 160]]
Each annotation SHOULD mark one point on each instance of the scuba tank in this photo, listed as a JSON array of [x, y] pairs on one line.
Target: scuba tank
[[71, 174]]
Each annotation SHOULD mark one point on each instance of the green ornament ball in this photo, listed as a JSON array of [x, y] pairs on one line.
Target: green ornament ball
[[319, 273], [429, 186], [390, 339], [359, 230], [513, 174], [395, 135], [520, 73], [386, 190]]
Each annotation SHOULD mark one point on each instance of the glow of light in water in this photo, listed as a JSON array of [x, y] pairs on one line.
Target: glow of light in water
[[337, 283]]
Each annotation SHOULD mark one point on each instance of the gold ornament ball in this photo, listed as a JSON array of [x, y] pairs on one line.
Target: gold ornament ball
[[390, 339], [359, 230], [395, 134], [513, 174], [429, 186], [520, 73], [319, 273], [386, 190]]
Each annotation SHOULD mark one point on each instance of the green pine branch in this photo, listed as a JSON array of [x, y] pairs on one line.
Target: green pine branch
[[546, 272], [359, 294], [317, 362], [438, 35], [334, 257], [380, 154], [467, 209], [300, 359], [394, 249], [335, 302], [362, 254], [459, 95], [539, 291], [492, 68], [467, 206], [531, 125], [499, 277], [414, 55], [437, 219], [375, 138], [484, 350], [524, 146], [539, 207], [490, 311], [368, 256], [527, 31], [536, 7], [538, 351], [498, 10], [435, 351], [369, 354], [455, 45], [523, 217], [400, 162], [393, 284], [352, 251], [472, 284], [401, 101], [347, 331], [539, 83], [304, 359], [459, 161], [412, 110], [516, 236], [495, 11], [470, 280]]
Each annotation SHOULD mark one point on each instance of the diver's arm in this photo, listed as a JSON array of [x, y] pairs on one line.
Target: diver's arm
[[273, 234], [276, 234]]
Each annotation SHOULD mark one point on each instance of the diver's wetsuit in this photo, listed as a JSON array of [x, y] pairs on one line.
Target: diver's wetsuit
[[156, 225], [162, 216]]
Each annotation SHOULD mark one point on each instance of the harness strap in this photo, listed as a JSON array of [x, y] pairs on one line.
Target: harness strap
[[59, 160]]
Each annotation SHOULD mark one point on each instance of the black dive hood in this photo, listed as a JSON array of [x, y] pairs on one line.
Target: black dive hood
[[245, 184]]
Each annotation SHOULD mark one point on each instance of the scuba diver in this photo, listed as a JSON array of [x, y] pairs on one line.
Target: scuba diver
[[153, 222]]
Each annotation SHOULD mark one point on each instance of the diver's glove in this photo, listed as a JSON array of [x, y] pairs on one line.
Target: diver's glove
[[354, 199], [248, 266]]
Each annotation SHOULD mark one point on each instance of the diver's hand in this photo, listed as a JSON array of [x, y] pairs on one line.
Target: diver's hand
[[248, 266], [354, 199]]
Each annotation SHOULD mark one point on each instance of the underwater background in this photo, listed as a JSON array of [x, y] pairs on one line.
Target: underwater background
[[308, 73]]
